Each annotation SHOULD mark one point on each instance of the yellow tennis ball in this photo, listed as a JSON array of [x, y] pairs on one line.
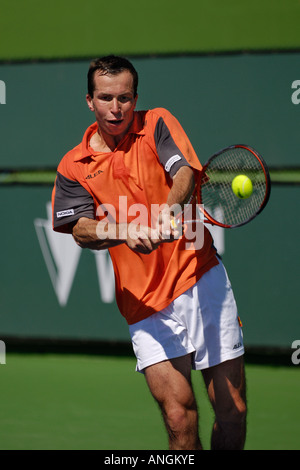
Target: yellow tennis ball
[[242, 186]]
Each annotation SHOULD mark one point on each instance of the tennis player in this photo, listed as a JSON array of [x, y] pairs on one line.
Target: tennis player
[[175, 295]]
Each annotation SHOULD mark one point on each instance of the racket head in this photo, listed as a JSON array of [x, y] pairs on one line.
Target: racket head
[[219, 203]]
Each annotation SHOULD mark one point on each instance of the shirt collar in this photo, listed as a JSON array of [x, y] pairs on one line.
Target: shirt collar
[[137, 127]]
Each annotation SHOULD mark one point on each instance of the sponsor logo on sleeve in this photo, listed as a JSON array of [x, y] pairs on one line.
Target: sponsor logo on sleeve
[[171, 162], [65, 213]]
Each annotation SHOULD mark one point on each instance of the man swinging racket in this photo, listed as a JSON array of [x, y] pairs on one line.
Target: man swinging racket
[[173, 292]]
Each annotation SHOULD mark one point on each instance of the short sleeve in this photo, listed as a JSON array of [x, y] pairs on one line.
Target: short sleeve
[[170, 155], [70, 201]]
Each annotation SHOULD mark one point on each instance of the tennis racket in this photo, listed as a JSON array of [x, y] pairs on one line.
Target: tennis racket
[[218, 204]]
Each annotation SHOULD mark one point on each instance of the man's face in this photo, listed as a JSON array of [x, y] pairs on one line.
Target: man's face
[[113, 103]]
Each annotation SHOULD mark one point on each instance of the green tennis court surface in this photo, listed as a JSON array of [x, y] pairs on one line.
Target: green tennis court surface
[[82, 402]]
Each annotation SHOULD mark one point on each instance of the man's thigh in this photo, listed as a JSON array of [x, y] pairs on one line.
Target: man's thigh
[[226, 387], [170, 381]]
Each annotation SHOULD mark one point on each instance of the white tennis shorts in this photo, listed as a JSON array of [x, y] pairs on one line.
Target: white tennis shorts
[[203, 321]]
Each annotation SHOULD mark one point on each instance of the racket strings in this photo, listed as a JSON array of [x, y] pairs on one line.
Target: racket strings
[[217, 195]]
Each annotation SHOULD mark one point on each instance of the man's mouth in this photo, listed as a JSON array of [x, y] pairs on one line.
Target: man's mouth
[[116, 122]]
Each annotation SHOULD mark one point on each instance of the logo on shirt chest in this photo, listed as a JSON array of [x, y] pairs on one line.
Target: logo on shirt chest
[[93, 175]]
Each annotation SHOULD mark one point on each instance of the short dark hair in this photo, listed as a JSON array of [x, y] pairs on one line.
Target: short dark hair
[[111, 65]]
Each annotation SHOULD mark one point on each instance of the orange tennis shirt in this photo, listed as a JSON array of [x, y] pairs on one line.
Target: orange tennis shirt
[[123, 185]]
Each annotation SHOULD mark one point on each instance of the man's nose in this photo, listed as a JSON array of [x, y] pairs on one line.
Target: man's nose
[[115, 105]]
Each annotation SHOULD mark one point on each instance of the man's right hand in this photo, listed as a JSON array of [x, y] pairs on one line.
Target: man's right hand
[[140, 238]]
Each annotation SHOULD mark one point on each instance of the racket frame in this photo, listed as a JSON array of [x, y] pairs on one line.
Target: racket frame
[[209, 218]]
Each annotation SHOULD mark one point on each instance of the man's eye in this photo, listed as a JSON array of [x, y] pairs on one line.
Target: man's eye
[[124, 99]]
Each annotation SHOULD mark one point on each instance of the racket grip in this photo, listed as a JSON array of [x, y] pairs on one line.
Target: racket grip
[[174, 224]]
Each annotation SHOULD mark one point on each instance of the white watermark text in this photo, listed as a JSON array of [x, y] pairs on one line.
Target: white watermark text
[[2, 352], [296, 94], [2, 92]]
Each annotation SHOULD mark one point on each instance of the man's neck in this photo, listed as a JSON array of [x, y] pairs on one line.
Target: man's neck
[[101, 143]]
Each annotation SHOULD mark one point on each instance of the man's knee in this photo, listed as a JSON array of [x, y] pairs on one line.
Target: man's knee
[[182, 427], [234, 410], [229, 431], [180, 418]]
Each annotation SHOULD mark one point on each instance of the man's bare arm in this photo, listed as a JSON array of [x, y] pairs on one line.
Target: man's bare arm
[[179, 195], [182, 188], [89, 233]]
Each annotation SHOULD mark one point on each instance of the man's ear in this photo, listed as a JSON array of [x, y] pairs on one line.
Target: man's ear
[[90, 103]]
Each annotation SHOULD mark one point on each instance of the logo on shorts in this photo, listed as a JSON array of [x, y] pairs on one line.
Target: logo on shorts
[[237, 346]]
